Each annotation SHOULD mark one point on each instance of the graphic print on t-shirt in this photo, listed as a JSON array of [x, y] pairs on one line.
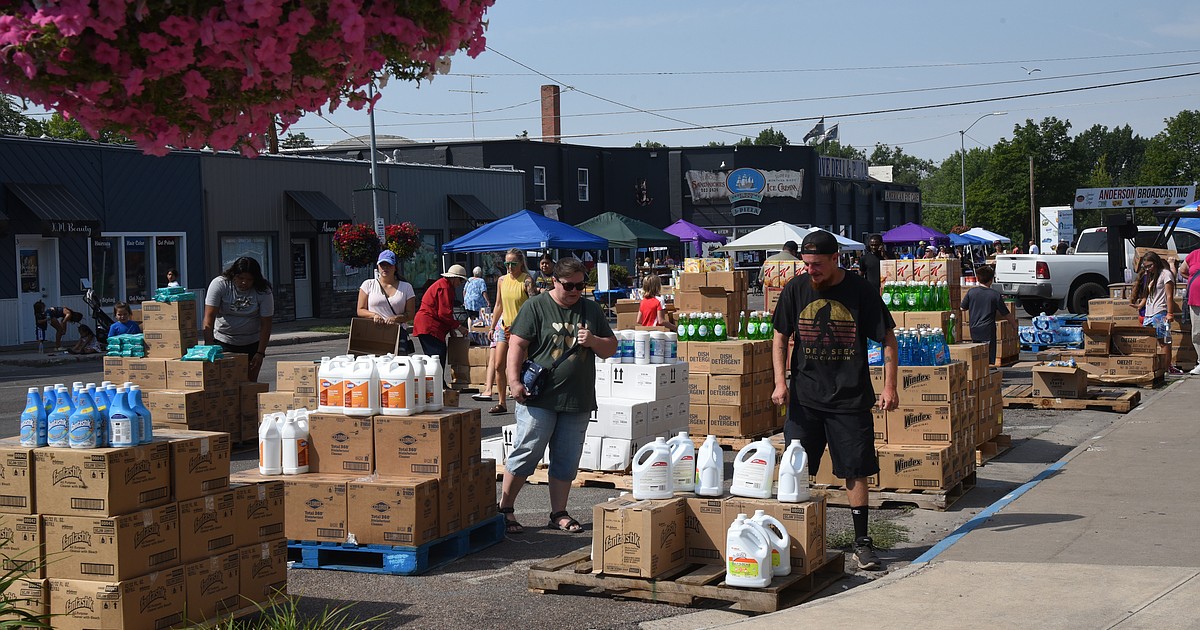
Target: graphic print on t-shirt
[[563, 338], [827, 330]]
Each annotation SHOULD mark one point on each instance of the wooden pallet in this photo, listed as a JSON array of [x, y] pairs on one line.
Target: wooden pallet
[[588, 479], [939, 500], [1115, 400], [737, 443], [992, 449], [688, 586], [394, 560], [1009, 361]]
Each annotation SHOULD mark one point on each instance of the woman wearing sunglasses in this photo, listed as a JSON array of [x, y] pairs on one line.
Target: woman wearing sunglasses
[[512, 290]]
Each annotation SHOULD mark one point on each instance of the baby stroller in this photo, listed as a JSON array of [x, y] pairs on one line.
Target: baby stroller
[[103, 320]]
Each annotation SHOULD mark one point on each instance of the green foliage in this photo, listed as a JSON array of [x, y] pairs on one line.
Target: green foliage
[[906, 169], [885, 534], [1173, 156], [833, 148], [63, 128], [12, 121], [649, 144], [296, 141], [618, 276], [12, 605], [286, 615]]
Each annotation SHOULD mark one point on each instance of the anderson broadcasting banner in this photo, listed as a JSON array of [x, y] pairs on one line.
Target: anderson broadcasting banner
[[1134, 197]]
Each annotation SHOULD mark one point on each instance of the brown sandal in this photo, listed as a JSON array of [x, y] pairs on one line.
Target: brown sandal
[[511, 526], [498, 409]]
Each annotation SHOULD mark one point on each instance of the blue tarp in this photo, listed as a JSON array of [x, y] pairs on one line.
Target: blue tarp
[[958, 240], [525, 230]]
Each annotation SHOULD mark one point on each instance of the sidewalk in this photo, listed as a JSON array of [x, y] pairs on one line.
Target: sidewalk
[[282, 334], [1102, 538]]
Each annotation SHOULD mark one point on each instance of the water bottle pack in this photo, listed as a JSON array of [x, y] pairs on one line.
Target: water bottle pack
[[174, 294], [1053, 336]]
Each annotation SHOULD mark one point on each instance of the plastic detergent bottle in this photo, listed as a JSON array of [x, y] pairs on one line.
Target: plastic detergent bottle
[[753, 470], [396, 384], [683, 463], [747, 555], [720, 329], [710, 469], [793, 474], [652, 471], [362, 388], [59, 421], [146, 435], [417, 362], [672, 352], [33, 420], [435, 384], [49, 397], [270, 447], [781, 542], [682, 327], [122, 422], [82, 426], [294, 446], [329, 386], [101, 401]]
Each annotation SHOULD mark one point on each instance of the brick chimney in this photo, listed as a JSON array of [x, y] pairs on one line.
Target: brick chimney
[[551, 114]]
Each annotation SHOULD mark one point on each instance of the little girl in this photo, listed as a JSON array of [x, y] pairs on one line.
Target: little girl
[[650, 312], [124, 324]]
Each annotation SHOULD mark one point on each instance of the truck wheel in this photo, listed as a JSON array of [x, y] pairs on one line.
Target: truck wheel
[[1084, 293], [1036, 307]]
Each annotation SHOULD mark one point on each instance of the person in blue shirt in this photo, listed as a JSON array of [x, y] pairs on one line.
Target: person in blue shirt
[[124, 324]]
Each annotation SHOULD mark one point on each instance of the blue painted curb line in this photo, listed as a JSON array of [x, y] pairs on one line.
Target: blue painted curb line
[[1000, 504]]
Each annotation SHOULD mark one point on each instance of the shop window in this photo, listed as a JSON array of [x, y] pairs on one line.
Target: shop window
[[105, 252], [256, 246], [129, 267], [582, 177], [166, 257], [539, 183]]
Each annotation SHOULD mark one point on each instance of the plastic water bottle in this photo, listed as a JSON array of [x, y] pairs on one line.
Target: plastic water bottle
[[122, 422], [793, 474], [59, 421], [146, 434], [710, 469], [747, 555], [294, 446], [781, 542], [754, 470], [33, 420], [270, 447], [83, 425], [652, 471], [683, 462]]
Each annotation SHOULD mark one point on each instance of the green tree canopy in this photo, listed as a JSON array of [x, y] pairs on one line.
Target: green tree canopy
[[1173, 156], [906, 169], [296, 141]]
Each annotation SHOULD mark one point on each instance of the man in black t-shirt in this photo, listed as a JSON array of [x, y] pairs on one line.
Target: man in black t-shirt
[[868, 265], [983, 304], [831, 314]]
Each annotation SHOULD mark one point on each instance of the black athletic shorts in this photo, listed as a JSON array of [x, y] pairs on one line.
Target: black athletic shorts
[[850, 437]]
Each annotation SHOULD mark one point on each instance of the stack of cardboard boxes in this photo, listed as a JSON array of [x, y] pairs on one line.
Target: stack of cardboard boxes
[[169, 328], [723, 292], [775, 275], [468, 363], [140, 537], [390, 480], [729, 388], [635, 405], [1117, 349]]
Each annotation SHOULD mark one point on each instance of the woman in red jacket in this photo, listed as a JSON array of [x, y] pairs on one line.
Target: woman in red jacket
[[435, 318]]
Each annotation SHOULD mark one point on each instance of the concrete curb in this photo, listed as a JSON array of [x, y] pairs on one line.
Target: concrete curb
[[65, 359], [286, 339]]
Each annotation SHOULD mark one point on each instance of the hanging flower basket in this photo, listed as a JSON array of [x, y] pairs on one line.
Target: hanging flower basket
[[403, 239], [356, 244], [216, 73]]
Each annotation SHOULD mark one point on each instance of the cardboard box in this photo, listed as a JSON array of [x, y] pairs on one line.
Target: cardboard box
[[1059, 382], [975, 356], [638, 538], [450, 491], [426, 444], [368, 337], [262, 570], [101, 481], [258, 512], [732, 390], [486, 489], [479, 356], [315, 507], [194, 374], [805, 523], [401, 511], [698, 388], [214, 587], [879, 423], [917, 385], [826, 477], [297, 376], [169, 344], [705, 529], [148, 373], [176, 406], [648, 382], [733, 281], [621, 418], [276, 402], [340, 444], [733, 421], [26, 595], [199, 462], [589, 459], [21, 545], [112, 548], [1113, 313], [207, 526], [916, 467], [169, 316], [617, 453], [235, 369], [114, 369], [926, 424], [1142, 342], [697, 419], [16, 478], [471, 432], [1096, 341], [687, 283], [732, 357], [149, 602]]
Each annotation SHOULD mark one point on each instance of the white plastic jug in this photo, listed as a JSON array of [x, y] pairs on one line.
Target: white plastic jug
[[658, 347], [652, 471], [417, 362], [641, 347], [781, 542], [434, 384], [683, 463], [270, 447], [294, 443], [754, 469], [793, 474], [330, 388], [123, 423], [362, 388], [747, 555], [710, 469], [396, 384]]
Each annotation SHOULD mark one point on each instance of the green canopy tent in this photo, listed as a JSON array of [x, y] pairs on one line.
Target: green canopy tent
[[625, 232]]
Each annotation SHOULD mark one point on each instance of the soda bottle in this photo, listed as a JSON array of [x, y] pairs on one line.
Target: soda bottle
[[741, 331], [682, 328]]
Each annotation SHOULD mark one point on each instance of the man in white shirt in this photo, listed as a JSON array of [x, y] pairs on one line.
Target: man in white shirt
[[1033, 248]]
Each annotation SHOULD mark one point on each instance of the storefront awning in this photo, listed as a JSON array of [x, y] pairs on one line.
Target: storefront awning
[[474, 208], [325, 215], [59, 211]]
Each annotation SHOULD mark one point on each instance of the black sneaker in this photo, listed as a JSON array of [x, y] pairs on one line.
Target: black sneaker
[[865, 556]]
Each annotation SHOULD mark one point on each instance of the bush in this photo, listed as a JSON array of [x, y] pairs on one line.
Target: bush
[[618, 276]]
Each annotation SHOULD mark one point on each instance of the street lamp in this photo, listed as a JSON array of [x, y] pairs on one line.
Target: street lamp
[[962, 161]]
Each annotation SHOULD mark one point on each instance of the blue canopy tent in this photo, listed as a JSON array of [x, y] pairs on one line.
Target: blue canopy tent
[[959, 240], [525, 230]]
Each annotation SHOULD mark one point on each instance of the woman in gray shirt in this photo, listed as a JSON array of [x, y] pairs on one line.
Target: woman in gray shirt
[[238, 309]]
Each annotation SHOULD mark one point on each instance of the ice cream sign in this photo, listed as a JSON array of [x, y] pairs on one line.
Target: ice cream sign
[[745, 188]]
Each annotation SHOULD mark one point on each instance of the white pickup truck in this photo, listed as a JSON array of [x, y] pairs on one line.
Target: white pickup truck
[[1045, 283]]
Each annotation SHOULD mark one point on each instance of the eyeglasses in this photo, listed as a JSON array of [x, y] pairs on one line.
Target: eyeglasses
[[571, 286], [511, 264]]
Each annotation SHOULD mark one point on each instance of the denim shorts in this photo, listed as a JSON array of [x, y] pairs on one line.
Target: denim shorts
[[538, 428], [1162, 327], [498, 334]]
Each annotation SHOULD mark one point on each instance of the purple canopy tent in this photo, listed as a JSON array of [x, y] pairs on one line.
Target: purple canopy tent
[[693, 233], [912, 233]]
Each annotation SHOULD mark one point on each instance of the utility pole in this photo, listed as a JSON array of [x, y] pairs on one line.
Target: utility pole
[[1033, 213]]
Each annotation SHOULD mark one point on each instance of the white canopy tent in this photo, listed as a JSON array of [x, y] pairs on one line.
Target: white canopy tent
[[846, 243], [772, 236], [991, 236]]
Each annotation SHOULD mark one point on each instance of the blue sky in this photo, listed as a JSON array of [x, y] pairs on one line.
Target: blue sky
[[723, 62]]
